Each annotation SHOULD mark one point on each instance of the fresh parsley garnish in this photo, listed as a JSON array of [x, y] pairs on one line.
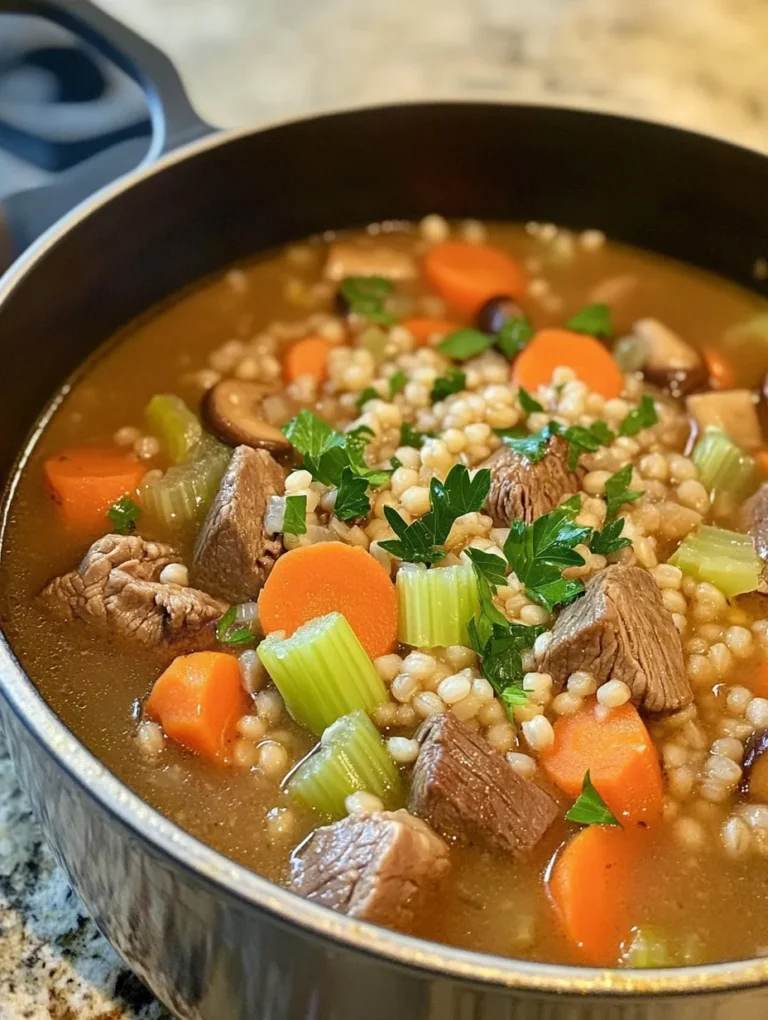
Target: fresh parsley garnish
[[351, 498], [123, 514], [366, 295], [610, 539], [295, 516], [580, 439], [356, 442], [422, 541], [369, 393], [224, 633], [395, 462], [513, 336], [490, 566], [527, 402], [539, 552], [327, 452], [641, 417], [453, 381], [590, 808], [617, 493], [534, 446], [410, 436], [594, 320], [397, 382], [465, 343]]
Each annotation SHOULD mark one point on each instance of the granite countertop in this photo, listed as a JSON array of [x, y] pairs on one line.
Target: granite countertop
[[697, 63]]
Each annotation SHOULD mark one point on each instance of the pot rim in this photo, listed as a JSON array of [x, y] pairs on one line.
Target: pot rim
[[233, 879]]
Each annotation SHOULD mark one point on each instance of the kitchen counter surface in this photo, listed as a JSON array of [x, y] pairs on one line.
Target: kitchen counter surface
[[697, 63]]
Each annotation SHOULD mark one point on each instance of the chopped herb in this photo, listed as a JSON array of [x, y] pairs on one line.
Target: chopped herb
[[513, 336], [366, 295], [226, 636], [369, 393], [539, 552], [351, 498], [590, 808], [356, 442], [453, 382], [594, 320], [395, 462], [123, 515], [493, 568], [421, 542], [409, 436], [527, 402], [295, 516], [397, 382], [327, 452], [533, 447], [583, 439], [641, 417], [463, 344], [617, 493], [610, 539]]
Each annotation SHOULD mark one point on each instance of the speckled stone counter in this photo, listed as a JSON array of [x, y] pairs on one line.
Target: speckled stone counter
[[698, 63]]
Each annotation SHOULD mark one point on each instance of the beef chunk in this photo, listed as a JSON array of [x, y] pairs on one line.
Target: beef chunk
[[620, 630], [521, 490], [379, 867], [234, 554], [754, 517], [468, 791], [116, 589]]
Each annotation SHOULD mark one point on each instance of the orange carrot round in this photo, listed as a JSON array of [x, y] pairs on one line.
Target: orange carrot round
[[307, 357], [722, 374], [619, 754], [591, 890], [467, 275], [422, 330], [553, 348], [85, 482], [198, 701], [762, 461], [315, 580]]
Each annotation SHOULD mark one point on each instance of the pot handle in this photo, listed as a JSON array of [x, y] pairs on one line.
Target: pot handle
[[23, 217]]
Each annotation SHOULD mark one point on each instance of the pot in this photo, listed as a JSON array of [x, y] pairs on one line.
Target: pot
[[212, 940]]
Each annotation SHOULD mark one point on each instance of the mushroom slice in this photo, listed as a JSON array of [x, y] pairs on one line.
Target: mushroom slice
[[754, 776], [233, 410]]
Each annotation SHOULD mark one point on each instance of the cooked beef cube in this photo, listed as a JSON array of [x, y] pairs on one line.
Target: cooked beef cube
[[733, 411], [116, 589], [368, 259], [234, 554], [521, 490], [380, 867], [754, 517], [621, 630], [470, 792], [669, 361]]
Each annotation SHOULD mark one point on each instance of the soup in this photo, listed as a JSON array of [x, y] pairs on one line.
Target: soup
[[418, 569]]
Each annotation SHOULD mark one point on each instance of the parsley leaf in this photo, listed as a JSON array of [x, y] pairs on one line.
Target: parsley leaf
[[583, 439], [123, 515], [610, 539], [327, 452], [533, 447], [356, 442], [295, 516], [513, 336], [351, 498], [395, 462], [594, 320], [617, 493], [365, 296], [397, 382], [463, 344], [641, 417], [410, 436], [491, 567], [369, 393], [590, 808], [453, 382], [527, 402], [539, 552], [226, 636]]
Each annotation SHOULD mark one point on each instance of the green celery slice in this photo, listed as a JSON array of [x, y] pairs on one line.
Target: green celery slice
[[350, 757], [183, 495], [723, 466], [177, 428], [435, 605], [726, 559], [649, 948], [322, 672]]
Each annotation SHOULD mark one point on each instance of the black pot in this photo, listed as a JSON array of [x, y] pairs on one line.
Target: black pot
[[210, 938]]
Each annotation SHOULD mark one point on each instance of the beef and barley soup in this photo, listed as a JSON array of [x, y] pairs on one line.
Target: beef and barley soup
[[420, 569]]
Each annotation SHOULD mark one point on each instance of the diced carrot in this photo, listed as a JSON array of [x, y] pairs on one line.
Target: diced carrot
[[330, 577], [591, 890], [619, 754], [307, 357], [722, 375], [757, 680], [198, 701], [762, 461], [85, 482], [467, 275], [555, 348], [423, 329]]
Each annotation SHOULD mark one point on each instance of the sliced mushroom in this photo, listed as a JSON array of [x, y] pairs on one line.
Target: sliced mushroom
[[496, 311], [233, 410], [346, 258], [754, 775], [670, 362]]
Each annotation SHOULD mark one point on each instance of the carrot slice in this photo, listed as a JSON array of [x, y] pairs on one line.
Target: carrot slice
[[307, 357], [757, 681], [762, 461], [85, 482], [467, 275], [590, 887], [198, 701], [553, 348], [721, 372], [423, 329], [619, 754], [315, 580]]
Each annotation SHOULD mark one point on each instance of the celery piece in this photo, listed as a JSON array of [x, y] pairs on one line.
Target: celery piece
[[726, 559], [723, 466], [322, 672], [435, 605], [649, 948], [351, 756], [177, 428], [183, 494]]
